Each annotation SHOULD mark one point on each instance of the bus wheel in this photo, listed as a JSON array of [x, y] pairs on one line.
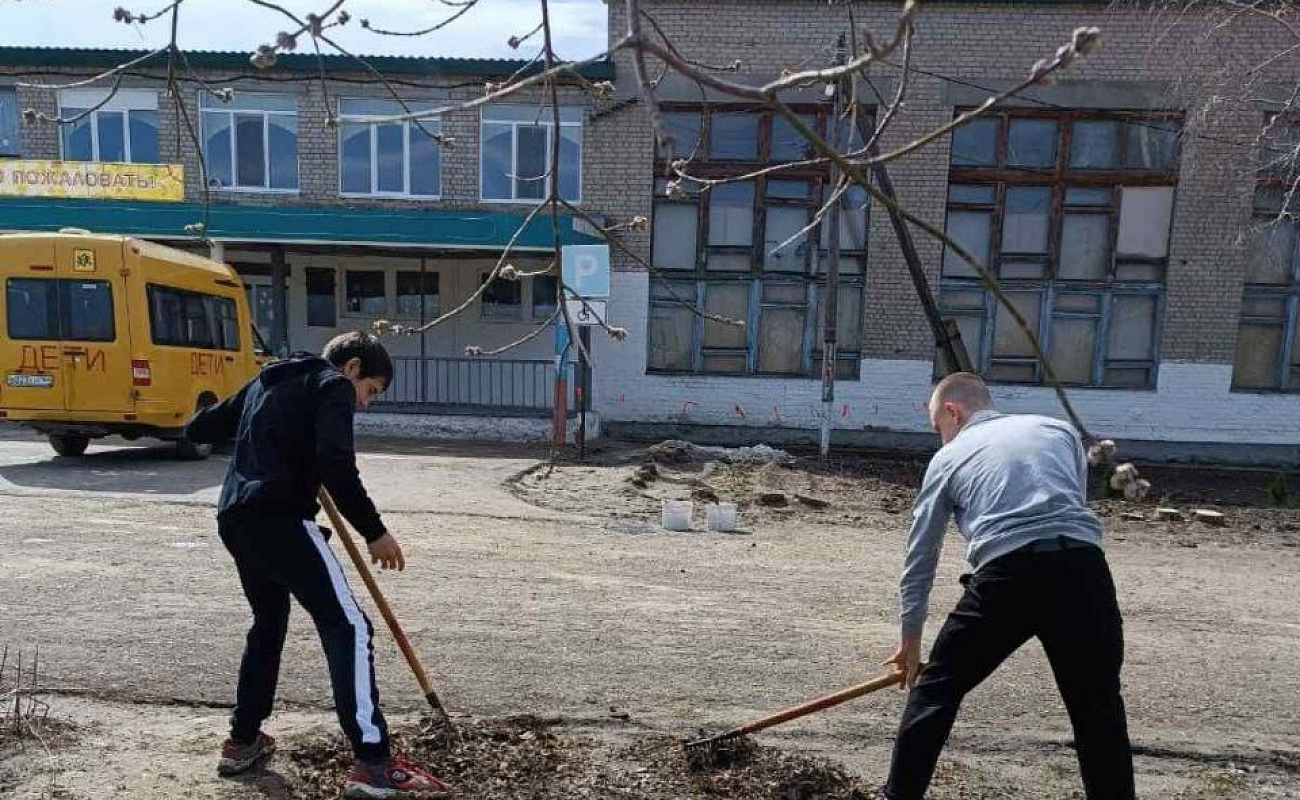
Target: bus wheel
[[193, 451], [69, 446]]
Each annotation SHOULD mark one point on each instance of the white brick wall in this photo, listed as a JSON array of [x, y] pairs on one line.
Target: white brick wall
[[1193, 401]]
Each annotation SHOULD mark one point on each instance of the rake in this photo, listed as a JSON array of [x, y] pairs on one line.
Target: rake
[[788, 714], [363, 569]]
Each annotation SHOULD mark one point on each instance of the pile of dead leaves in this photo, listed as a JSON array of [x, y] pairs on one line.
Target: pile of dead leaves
[[526, 758]]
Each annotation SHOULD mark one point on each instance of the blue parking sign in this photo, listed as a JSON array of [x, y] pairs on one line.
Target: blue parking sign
[[585, 268]]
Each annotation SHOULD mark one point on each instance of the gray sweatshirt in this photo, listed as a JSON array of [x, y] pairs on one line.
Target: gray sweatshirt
[[1006, 480]]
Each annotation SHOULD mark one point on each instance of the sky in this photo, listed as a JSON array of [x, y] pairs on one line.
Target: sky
[[240, 25]]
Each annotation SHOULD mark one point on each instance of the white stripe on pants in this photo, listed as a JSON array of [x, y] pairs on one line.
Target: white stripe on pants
[[361, 649]]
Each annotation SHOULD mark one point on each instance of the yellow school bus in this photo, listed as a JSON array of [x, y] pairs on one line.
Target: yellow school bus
[[104, 335]]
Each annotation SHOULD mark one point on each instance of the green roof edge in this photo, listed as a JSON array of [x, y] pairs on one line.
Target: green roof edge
[[287, 62]]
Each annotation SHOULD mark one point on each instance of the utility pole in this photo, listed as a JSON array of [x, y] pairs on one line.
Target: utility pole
[[947, 336], [831, 290]]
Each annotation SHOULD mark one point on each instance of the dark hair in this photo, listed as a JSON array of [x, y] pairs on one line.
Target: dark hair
[[375, 362]]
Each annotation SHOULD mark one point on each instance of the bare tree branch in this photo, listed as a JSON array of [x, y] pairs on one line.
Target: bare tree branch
[[135, 62], [537, 330], [464, 7]]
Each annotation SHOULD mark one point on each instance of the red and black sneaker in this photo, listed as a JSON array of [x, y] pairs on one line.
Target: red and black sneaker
[[393, 779], [237, 758]]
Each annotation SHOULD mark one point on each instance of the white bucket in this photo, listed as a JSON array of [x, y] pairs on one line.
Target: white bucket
[[721, 517], [677, 515]]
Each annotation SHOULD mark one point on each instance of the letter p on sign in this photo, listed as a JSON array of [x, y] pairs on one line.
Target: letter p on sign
[[585, 268]]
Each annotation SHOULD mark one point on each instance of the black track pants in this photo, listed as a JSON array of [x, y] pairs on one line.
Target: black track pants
[[1067, 600], [278, 558]]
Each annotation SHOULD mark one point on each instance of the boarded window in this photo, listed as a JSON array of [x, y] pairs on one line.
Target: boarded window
[[1259, 350], [675, 233], [783, 230], [1025, 224], [1085, 247], [781, 338], [729, 300], [854, 206], [1009, 340], [731, 226], [1271, 253], [1144, 217], [1073, 349], [848, 316], [1132, 322], [970, 230], [671, 332], [1079, 250], [731, 215]]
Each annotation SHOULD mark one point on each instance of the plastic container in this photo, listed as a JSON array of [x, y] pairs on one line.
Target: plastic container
[[677, 515], [721, 517]]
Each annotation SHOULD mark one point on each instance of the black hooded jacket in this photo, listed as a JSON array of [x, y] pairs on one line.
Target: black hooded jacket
[[292, 427]]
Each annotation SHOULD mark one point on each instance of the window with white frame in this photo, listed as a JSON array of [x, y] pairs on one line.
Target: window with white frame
[[397, 159], [251, 142], [10, 143], [110, 126], [516, 159]]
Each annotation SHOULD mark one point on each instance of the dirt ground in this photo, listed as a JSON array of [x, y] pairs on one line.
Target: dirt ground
[[555, 593]]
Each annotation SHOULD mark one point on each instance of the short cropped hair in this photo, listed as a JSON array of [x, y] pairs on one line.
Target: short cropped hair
[[375, 362], [965, 389]]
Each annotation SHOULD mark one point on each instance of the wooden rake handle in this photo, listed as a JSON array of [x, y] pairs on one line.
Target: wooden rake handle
[[368, 578], [820, 703]]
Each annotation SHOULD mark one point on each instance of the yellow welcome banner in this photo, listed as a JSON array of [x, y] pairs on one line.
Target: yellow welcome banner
[[92, 180]]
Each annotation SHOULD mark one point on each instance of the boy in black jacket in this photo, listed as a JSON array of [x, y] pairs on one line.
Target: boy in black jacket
[[292, 427]]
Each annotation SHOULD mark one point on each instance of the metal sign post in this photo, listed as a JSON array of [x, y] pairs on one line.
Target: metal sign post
[[585, 272]]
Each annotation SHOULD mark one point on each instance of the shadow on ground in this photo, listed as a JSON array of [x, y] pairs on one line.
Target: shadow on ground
[[148, 470]]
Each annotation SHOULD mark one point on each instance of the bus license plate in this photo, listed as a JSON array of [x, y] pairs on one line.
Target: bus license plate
[[17, 381]]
